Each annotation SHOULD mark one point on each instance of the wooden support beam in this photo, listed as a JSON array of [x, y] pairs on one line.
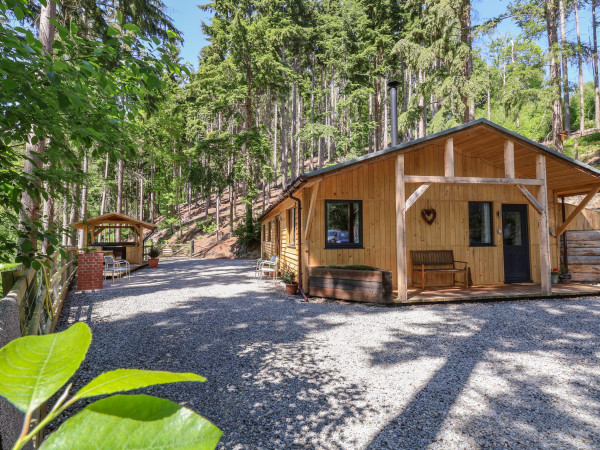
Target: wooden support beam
[[311, 209], [470, 180], [415, 196], [577, 210], [540, 170], [530, 197], [448, 158], [509, 159], [401, 266]]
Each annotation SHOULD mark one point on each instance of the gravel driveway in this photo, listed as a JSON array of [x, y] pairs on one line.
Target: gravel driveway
[[302, 375]]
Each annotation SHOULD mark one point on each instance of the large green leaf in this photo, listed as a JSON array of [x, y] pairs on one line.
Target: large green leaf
[[135, 421], [128, 379], [33, 368]]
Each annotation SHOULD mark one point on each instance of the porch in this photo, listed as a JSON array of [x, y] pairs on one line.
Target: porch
[[494, 292]]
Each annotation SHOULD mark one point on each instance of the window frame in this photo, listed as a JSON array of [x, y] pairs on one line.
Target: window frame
[[360, 225], [492, 243], [291, 230], [269, 235]]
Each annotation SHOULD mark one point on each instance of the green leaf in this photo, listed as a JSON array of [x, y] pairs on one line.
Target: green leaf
[[19, 14], [128, 379], [131, 27], [111, 31], [33, 368], [135, 421], [26, 246]]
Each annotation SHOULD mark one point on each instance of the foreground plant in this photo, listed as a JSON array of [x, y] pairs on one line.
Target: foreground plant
[[33, 368]]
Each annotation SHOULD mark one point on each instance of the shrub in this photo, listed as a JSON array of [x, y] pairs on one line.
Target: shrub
[[287, 276], [154, 252], [206, 227], [248, 232]]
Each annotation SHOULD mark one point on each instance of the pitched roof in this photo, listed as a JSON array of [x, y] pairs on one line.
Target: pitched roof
[[112, 217], [414, 144]]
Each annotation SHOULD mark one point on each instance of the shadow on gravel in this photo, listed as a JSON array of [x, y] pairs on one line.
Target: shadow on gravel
[[517, 396], [265, 385]]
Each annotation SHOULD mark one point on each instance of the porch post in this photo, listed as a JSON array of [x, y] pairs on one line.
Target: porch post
[[401, 266], [543, 226]]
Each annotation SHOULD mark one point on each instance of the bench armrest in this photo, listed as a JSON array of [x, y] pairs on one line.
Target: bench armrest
[[463, 262]]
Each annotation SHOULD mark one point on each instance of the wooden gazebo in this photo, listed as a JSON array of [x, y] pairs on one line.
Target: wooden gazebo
[[101, 232]]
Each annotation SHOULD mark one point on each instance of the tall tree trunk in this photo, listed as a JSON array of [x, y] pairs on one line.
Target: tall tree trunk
[[218, 215], [422, 109], [84, 194], [370, 118], [557, 119], [275, 144], [564, 62], [284, 156], [385, 138], [466, 38], [65, 215], [293, 149], [141, 210], [74, 213], [321, 157], [48, 214], [312, 112], [580, 70], [595, 67], [120, 169], [30, 211], [104, 187], [152, 195]]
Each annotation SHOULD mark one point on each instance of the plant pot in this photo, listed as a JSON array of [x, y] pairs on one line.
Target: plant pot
[[291, 289], [555, 278], [153, 263], [565, 279]]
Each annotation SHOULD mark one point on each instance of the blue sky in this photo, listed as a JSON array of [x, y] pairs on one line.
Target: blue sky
[[188, 18]]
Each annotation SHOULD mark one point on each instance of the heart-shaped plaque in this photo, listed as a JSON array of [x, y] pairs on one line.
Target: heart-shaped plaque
[[428, 215]]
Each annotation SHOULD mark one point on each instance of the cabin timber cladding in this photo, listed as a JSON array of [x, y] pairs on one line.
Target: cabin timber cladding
[[488, 164]]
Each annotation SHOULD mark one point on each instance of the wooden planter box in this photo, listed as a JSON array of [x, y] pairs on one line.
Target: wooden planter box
[[90, 271], [373, 286]]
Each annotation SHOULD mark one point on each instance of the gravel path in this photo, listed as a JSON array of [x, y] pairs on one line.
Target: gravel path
[[287, 374]]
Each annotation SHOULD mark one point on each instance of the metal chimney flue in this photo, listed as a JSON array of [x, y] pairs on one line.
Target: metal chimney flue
[[393, 87]]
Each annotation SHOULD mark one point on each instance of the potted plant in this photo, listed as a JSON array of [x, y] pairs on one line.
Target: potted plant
[[288, 277], [153, 257], [565, 276], [554, 275]]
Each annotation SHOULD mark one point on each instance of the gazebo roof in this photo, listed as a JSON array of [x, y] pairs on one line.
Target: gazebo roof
[[112, 218]]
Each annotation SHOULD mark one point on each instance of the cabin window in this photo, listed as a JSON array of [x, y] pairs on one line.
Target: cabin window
[[264, 230], [291, 227], [343, 223], [269, 234], [480, 224]]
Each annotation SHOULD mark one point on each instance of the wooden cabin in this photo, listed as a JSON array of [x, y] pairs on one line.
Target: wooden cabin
[[101, 232], [491, 196]]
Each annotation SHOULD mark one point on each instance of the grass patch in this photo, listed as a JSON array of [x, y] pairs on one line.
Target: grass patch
[[352, 267]]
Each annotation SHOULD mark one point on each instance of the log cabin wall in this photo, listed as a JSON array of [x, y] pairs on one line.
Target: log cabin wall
[[373, 183]]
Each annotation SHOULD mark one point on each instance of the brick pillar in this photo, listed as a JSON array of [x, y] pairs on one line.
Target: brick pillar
[[90, 271]]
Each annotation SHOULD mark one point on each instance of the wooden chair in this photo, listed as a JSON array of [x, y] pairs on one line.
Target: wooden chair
[[436, 261]]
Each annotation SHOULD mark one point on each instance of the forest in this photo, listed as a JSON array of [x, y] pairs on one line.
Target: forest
[[100, 114]]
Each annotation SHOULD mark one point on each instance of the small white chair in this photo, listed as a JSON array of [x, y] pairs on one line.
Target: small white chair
[[269, 267], [257, 272], [113, 266]]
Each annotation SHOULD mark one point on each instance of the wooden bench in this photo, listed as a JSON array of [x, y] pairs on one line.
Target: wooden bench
[[436, 261]]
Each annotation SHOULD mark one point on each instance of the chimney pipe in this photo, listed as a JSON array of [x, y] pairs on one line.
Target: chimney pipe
[[393, 87]]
